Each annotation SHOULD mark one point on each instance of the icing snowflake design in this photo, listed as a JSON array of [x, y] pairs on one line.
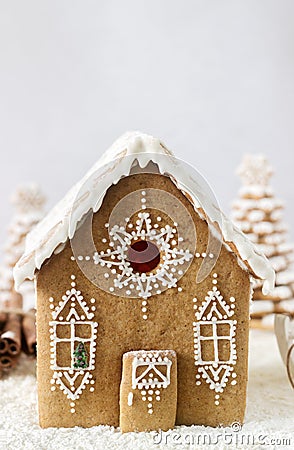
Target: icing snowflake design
[[255, 170], [122, 277], [214, 327]]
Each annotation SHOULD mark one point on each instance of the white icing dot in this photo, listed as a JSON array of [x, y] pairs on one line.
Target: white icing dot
[[145, 317], [72, 410], [51, 299], [53, 388], [92, 389]]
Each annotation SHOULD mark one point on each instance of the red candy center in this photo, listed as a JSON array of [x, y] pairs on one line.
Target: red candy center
[[143, 256]]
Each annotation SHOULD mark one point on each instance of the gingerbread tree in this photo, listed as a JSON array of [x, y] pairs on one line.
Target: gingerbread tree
[[28, 202], [80, 356], [259, 214]]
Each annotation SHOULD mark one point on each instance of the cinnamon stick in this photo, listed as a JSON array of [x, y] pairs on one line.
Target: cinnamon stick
[[8, 361], [3, 346], [29, 333], [11, 334], [3, 317]]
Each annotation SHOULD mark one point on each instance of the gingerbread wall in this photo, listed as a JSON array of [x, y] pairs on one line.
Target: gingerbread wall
[[172, 322]]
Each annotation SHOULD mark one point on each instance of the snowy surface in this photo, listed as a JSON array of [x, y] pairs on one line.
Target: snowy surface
[[269, 418]]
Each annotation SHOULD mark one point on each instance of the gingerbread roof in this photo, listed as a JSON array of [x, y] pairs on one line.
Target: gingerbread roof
[[131, 149]]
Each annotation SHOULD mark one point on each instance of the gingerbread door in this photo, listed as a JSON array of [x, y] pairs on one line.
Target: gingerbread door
[[148, 391]]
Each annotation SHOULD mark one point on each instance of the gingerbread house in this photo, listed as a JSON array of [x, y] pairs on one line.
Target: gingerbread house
[[143, 289]]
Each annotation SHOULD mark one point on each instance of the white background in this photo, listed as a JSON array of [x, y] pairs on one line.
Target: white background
[[213, 79]]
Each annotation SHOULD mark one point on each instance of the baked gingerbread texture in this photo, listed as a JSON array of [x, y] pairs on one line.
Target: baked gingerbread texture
[[142, 310]]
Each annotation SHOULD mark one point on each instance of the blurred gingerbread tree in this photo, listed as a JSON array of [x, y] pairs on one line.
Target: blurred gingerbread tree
[[17, 316], [28, 202], [259, 214]]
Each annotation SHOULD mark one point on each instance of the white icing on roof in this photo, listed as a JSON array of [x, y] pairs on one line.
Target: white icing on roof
[[61, 222]]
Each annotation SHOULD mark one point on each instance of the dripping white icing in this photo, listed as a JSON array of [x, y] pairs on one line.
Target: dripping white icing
[[135, 147]]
